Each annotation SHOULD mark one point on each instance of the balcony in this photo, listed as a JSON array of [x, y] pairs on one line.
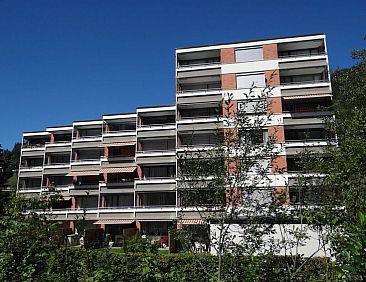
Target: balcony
[[195, 60], [304, 76], [305, 135], [88, 133], [119, 129], [35, 140], [85, 162], [152, 150], [152, 126], [153, 199], [199, 111], [301, 48], [30, 183], [57, 187], [197, 141], [58, 147], [150, 121]]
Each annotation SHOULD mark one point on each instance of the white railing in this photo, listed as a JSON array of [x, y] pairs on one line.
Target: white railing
[[198, 64], [155, 125], [203, 90], [155, 151], [305, 82], [301, 55]]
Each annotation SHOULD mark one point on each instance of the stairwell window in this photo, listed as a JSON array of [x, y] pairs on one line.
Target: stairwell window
[[249, 54], [249, 80]]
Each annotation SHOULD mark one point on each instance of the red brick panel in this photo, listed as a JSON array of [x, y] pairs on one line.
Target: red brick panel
[[234, 197], [279, 164], [281, 195], [274, 105], [272, 77], [227, 56], [139, 172], [270, 52], [277, 132], [231, 109], [228, 81]]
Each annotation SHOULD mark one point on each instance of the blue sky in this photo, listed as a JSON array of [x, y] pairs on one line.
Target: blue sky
[[72, 60]]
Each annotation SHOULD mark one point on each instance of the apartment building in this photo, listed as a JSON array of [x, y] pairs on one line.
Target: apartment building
[[121, 171]]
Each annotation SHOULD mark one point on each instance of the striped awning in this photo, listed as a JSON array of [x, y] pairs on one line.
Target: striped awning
[[114, 221], [117, 144], [191, 221], [83, 173], [117, 169], [299, 97]]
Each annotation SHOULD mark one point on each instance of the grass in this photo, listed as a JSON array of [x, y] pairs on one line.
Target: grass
[[120, 250]]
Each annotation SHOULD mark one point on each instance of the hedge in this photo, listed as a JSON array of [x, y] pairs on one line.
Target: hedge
[[68, 264]]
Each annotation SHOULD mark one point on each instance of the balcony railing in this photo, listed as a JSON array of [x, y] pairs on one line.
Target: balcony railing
[[33, 146], [30, 188], [119, 131], [179, 66], [57, 164], [200, 117], [85, 161], [155, 125], [155, 178], [118, 157], [31, 167], [155, 151], [203, 90], [198, 145], [305, 82], [58, 142], [87, 137], [306, 140], [301, 55], [86, 186]]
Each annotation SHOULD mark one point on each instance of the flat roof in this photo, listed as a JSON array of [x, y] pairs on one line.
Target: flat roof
[[148, 107], [253, 40], [117, 114]]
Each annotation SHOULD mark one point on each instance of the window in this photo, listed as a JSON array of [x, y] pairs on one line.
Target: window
[[158, 171], [253, 137], [252, 106], [250, 80], [248, 54], [158, 145], [302, 78], [124, 200], [87, 202], [305, 134]]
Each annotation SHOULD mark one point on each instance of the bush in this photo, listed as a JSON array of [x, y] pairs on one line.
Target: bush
[[138, 244], [82, 265]]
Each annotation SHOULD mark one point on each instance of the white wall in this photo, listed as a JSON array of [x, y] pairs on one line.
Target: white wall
[[312, 246]]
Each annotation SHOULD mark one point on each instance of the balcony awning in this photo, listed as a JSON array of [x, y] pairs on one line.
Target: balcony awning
[[299, 97], [191, 221], [83, 173], [117, 169], [117, 144], [114, 221]]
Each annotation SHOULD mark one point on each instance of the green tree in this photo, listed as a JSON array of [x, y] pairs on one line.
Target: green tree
[[228, 184], [27, 238], [342, 188]]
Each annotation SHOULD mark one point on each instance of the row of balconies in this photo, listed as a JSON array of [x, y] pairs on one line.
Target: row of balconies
[[212, 57], [211, 85], [157, 145]]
